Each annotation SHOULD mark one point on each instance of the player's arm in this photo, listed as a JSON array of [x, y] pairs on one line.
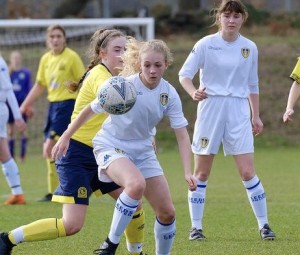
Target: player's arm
[[33, 95], [184, 146], [13, 103], [62, 144], [196, 94], [292, 99], [257, 125]]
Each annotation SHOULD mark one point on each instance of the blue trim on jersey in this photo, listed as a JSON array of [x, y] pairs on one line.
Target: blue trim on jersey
[[254, 186], [201, 186]]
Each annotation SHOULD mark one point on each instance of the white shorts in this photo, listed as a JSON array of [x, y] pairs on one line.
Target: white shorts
[[3, 119], [223, 120], [140, 152]]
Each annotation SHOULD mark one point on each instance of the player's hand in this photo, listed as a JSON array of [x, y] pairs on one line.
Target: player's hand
[[29, 112], [199, 94], [154, 145], [61, 147], [21, 125], [287, 115], [191, 181], [47, 147], [26, 110], [257, 126]]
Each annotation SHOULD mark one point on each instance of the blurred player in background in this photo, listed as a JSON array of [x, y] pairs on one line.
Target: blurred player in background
[[21, 80], [59, 65], [293, 94], [124, 146], [78, 169], [9, 166], [228, 110]]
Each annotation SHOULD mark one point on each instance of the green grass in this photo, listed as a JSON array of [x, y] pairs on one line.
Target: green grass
[[229, 223]]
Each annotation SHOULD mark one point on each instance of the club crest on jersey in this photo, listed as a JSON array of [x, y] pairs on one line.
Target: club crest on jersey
[[62, 67], [204, 142], [245, 52], [82, 192], [164, 98]]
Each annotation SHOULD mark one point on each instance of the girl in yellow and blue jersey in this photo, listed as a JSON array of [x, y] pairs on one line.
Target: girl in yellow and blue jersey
[[59, 65]]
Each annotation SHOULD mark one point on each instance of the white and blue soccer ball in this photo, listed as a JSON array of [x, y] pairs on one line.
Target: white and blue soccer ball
[[117, 95]]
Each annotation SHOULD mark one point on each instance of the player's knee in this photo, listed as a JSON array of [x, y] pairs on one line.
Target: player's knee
[[203, 176], [72, 228], [247, 173], [167, 216], [135, 189]]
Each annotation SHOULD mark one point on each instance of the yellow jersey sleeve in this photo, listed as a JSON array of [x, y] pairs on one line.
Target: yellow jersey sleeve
[[55, 70], [295, 75], [87, 93]]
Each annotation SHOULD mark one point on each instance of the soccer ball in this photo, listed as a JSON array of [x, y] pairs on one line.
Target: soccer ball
[[117, 95]]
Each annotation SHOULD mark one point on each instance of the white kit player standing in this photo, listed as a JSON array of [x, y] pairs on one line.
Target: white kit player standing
[[228, 110], [9, 166]]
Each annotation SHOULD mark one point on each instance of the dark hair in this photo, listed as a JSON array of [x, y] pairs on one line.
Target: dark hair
[[229, 6], [99, 40]]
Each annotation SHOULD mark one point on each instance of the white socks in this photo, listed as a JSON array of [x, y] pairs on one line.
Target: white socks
[[196, 201], [257, 198], [11, 172], [123, 213], [164, 237]]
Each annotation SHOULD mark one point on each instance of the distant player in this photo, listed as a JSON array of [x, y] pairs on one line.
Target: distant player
[[228, 110], [58, 65], [9, 166], [294, 93], [21, 80]]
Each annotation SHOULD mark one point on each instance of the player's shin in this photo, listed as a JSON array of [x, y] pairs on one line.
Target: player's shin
[[135, 232]]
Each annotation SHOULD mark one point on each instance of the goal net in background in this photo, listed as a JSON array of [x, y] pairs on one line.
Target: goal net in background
[[29, 37]]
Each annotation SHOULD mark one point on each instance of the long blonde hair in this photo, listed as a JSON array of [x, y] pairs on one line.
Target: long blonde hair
[[134, 50]]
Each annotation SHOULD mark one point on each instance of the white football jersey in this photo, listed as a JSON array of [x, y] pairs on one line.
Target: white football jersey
[[150, 107], [6, 90], [225, 69]]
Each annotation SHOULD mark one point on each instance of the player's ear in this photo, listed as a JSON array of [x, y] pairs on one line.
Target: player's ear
[[102, 54], [167, 65]]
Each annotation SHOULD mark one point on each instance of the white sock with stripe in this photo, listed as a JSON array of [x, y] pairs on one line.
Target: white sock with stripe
[[123, 213], [11, 172], [196, 201], [257, 198]]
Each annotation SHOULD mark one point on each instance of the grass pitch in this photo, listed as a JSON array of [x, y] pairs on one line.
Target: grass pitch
[[229, 224]]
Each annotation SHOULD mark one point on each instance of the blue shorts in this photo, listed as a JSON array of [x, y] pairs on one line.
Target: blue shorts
[[58, 119], [11, 118], [78, 176]]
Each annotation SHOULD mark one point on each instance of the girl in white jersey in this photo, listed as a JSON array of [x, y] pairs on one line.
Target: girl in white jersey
[[227, 64], [123, 147], [9, 166]]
